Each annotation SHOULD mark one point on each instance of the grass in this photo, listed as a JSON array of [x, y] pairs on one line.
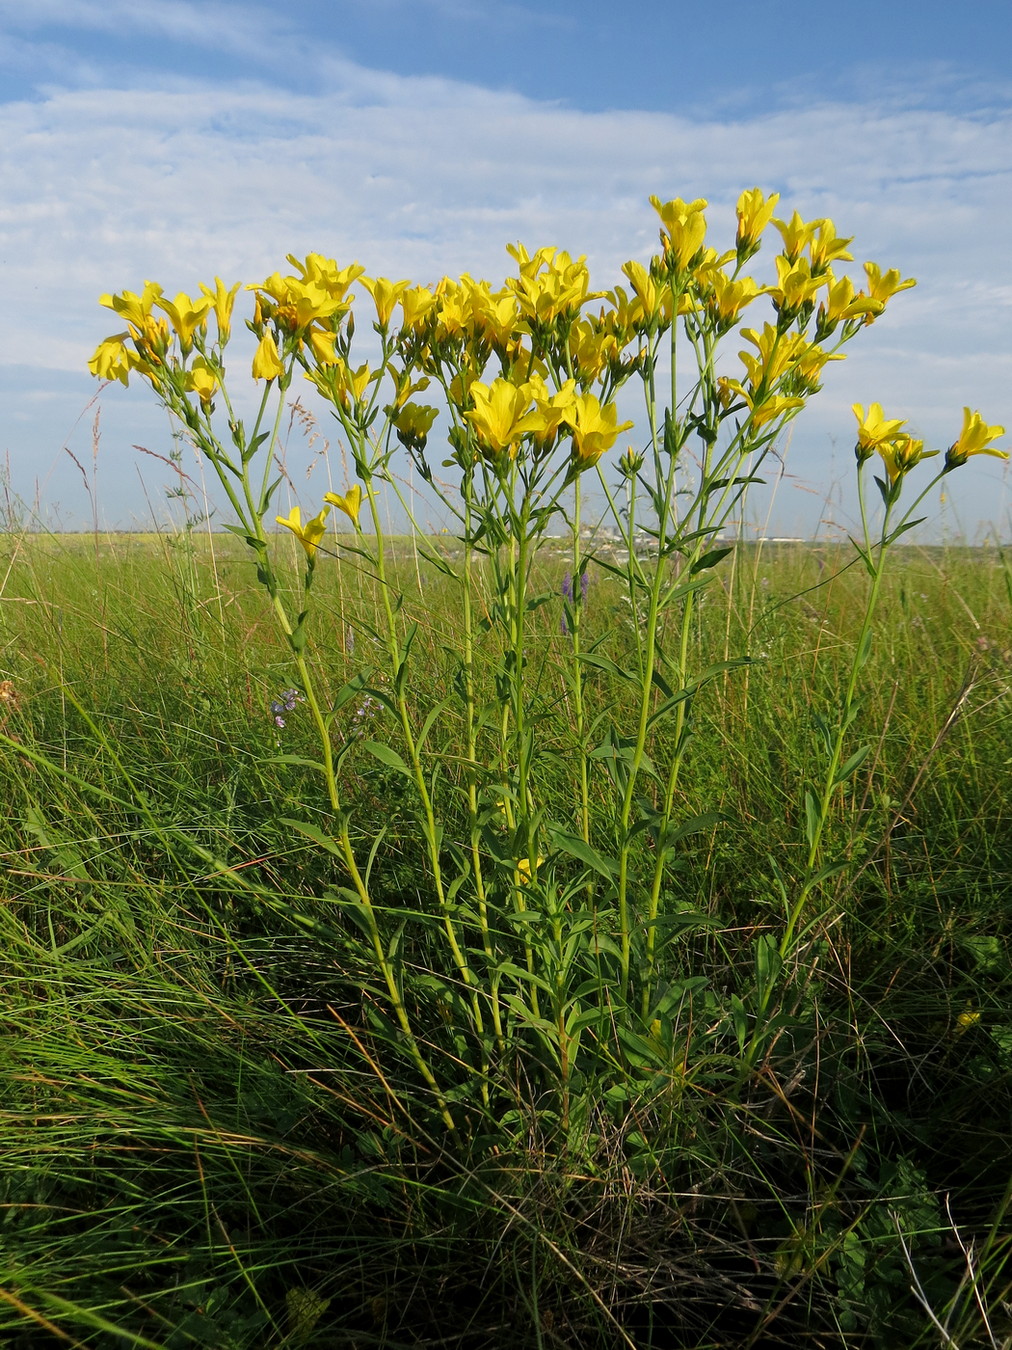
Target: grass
[[211, 1136]]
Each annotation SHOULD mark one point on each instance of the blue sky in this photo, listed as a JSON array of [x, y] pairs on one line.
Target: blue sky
[[179, 140]]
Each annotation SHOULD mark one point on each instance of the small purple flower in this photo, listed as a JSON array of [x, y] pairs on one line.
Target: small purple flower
[[584, 585], [567, 587], [285, 703], [363, 714]]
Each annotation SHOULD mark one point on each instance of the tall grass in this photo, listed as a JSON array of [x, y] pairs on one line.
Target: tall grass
[[202, 1143]]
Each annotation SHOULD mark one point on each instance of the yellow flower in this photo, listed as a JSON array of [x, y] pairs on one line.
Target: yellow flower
[[796, 286], [266, 362], [417, 305], [186, 316], [874, 429], [726, 298], [494, 316], [134, 308], [112, 360], [308, 535], [550, 286], [841, 304], [413, 424], [354, 383], [337, 381], [595, 429], [901, 454], [525, 870], [325, 274], [502, 414], [973, 440], [321, 343], [683, 229], [777, 354], [552, 409], [883, 286], [593, 349], [771, 407], [826, 246], [796, 234], [222, 299], [202, 379], [350, 503], [454, 312], [648, 292], [966, 1020], [385, 295], [293, 303], [804, 376], [754, 213]]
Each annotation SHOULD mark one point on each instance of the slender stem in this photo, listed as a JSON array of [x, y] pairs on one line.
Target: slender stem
[[577, 668], [398, 657]]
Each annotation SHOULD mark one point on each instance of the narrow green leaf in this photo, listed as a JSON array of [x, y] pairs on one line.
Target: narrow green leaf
[[812, 818], [710, 559], [579, 848], [313, 832], [852, 764], [768, 963], [739, 1020], [705, 820], [605, 664], [902, 529], [386, 755], [429, 722], [864, 651]]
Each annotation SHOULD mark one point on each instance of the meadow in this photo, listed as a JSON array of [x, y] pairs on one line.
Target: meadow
[[571, 929], [203, 1141]]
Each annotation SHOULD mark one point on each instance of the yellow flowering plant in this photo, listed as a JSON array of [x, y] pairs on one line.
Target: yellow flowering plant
[[545, 922]]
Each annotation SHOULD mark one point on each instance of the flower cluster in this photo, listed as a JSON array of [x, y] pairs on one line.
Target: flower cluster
[[172, 345], [535, 363], [310, 534], [900, 451]]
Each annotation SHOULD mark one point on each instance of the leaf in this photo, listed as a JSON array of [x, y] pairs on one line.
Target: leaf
[[864, 651], [768, 963], [525, 976], [710, 559], [705, 820], [386, 755], [351, 689], [716, 483], [603, 663], [852, 765], [739, 1020], [429, 722], [314, 833], [825, 732], [812, 818], [902, 529], [579, 848]]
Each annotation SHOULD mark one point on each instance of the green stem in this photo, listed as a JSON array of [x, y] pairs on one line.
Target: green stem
[[398, 658]]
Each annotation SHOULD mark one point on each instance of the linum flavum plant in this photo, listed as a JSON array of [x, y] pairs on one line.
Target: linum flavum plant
[[546, 951], [582, 1040]]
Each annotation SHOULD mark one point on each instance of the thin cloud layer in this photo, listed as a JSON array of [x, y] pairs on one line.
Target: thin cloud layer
[[105, 187]]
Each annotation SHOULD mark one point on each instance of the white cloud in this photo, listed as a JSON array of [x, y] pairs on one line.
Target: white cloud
[[105, 187]]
